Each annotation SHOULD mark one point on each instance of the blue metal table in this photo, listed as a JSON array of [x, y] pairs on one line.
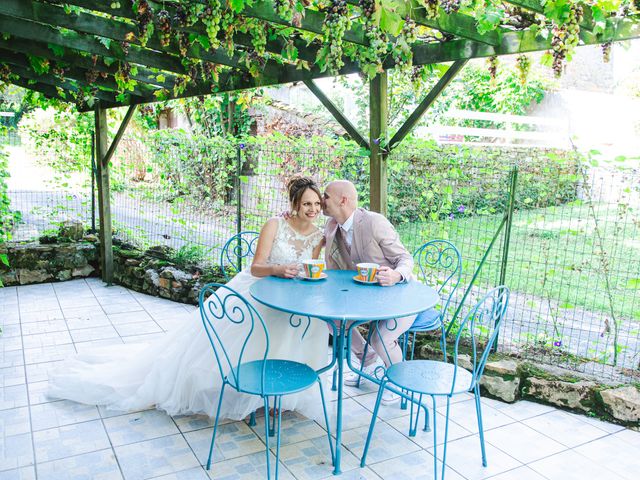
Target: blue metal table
[[339, 299]]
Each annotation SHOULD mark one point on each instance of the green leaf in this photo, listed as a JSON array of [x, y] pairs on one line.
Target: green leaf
[[105, 41], [4, 259], [390, 22], [236, 5], [56, 49]]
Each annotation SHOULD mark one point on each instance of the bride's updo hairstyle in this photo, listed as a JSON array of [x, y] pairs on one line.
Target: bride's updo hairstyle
[[296, 188]]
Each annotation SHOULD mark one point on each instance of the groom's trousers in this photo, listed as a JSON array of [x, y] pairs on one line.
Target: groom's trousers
[[384, 340]]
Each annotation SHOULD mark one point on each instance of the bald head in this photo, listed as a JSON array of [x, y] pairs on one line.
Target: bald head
[[340, 200], [346, 189]]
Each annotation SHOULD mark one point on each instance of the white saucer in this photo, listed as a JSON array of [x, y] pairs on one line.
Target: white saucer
[[357, 279], [322, 277]]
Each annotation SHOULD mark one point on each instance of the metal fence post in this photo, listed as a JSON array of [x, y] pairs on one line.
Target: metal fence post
[[513, 181], [239, 204], [93, 182]]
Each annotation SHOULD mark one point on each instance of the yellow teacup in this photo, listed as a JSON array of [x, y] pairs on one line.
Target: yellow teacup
[[367, 271], [313, 268]]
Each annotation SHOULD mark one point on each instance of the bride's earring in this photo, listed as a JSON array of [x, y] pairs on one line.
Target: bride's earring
[[294, 213]]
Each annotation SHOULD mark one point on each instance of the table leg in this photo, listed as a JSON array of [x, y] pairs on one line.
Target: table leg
[[340, 338]]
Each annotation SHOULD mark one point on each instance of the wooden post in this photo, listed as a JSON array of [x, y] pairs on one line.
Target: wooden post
[[104, 202], [378, 111]]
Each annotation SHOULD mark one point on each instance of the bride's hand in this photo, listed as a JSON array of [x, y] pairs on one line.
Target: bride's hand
[[287, 271]]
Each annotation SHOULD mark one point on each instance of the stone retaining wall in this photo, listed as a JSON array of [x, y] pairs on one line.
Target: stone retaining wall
[[153, 273], [34, 263], [509, 379]]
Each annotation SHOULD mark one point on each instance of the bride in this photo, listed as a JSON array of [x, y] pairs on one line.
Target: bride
[[178, 373]]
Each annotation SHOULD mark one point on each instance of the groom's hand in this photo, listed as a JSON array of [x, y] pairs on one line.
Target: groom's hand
[[387, 276]]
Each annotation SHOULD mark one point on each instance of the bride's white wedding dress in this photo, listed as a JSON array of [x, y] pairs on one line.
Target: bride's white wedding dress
[[178, 373]]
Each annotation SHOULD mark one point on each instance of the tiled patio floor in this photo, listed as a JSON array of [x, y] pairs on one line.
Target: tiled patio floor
[[47, 439]]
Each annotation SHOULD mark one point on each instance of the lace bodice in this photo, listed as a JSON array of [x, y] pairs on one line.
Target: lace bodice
[[290, 246]]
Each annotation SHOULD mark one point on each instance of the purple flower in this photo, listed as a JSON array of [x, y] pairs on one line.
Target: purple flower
[[376, 141], [557, 343], [451, 216], [241, 146], [461, 209]]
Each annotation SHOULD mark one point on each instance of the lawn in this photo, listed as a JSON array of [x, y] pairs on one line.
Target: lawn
[[554, 253]]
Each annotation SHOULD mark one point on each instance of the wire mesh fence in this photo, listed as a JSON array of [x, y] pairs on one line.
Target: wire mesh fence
[[572, 260], [41, 212]]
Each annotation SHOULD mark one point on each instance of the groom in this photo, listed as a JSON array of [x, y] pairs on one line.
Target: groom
[[354, 235]]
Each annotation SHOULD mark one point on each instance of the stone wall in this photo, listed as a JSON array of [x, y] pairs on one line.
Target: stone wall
[[510, 379], [153, 272], [34, 263]]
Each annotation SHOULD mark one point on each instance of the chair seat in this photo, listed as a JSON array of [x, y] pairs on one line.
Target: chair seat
[[281, 377], [427, 320], [429, 376]]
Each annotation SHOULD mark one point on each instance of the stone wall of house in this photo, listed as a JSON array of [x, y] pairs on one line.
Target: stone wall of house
[[35, 263]]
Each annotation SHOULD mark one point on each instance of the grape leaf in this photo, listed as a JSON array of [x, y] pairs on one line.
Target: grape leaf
[[390, 22]]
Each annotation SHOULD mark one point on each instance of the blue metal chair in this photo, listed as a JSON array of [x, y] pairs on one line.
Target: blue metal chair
[[478, 332], [221, 307], [239, 247], [439, 264]]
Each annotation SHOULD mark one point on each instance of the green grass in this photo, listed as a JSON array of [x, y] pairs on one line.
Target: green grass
[[553, 254]]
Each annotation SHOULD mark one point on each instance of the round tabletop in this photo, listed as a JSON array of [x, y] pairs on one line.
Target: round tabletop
[[340, 297]]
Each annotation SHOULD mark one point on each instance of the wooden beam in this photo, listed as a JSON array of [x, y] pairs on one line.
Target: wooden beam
[[119, 134], [73, 57], [77, 74], [455, 23], [274, 45], [70, 86], [104, 196], [261, 9], [337, 114], [536, 6], [46, 90], [29, 30], [107, 28], [378, 118], [617, 29], [424, 105]]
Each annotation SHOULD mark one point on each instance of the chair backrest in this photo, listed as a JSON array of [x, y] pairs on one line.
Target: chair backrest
[[232, 324], [479, 330], [440, 265], [238, 248]]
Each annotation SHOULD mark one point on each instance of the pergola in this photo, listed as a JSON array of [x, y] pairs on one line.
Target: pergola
[[103, 54]]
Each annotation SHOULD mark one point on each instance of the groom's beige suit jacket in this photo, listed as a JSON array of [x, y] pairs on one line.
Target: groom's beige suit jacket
[[373, 240]]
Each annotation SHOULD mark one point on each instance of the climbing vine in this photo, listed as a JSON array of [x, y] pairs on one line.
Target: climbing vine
[[374, 34]]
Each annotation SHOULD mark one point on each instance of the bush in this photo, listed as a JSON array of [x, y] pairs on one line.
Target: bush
[[428, 181]]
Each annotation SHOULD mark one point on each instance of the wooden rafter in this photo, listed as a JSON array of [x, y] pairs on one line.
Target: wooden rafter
[[28, 30], [78, 75], [107, 28], [65, 84], [424, 105], [71, 57], [337, 114], [262, 10], [536, 6]]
